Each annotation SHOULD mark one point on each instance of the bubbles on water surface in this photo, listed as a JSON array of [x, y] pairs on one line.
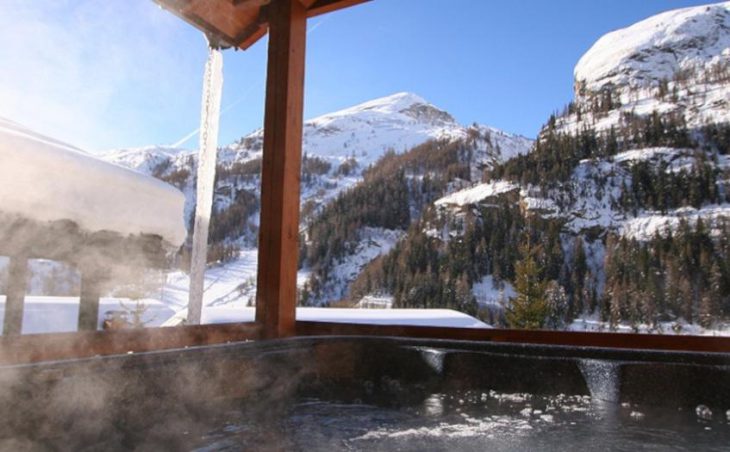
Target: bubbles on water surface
[[471, 420], [703, 412]]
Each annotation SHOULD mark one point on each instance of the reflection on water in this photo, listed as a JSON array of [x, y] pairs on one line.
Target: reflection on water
[[472, 421]]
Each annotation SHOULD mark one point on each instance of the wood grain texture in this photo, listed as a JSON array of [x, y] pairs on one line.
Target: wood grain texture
[[278, 252], [240, 23], [58, 346], [569, 338]]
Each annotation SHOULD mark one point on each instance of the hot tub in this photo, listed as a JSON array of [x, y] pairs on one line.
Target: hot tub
[[367, 393]]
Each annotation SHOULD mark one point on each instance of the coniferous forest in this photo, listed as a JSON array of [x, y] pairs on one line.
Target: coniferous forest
[[680, 275]]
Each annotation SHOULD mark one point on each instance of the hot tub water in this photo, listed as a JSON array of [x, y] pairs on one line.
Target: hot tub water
[[471, 421]]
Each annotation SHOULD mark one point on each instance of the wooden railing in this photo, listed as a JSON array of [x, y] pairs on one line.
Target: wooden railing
[[569, 338], [57, 346]]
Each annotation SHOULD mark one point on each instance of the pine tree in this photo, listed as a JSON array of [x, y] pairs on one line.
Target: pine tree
[[529, 310], [557, 302]]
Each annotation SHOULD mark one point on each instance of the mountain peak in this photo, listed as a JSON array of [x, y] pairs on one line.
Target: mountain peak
[[392, 104], [400, 100], [658, 47]]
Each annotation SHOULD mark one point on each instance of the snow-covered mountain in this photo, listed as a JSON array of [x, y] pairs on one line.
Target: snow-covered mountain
[[363, 132], [338, 148], [657, 48], [675, 62], [345, 142], [634, 169], [674, 66], [145, 159]]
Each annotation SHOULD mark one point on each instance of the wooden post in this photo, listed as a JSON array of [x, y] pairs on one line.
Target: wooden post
[[15, 296], [279, 226], [89, 301]]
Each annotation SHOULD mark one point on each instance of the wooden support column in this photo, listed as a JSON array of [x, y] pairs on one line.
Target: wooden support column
[[279, 226], [89, 301], [15, 296]]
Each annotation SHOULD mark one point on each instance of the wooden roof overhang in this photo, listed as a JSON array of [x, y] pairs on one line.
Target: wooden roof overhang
[[240, 23]]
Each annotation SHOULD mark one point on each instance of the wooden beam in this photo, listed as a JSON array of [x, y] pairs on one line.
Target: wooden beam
[[281, 166], [250, 35], [31, 348], [327, 6], [15, 296], [89, 301], [567, 338]]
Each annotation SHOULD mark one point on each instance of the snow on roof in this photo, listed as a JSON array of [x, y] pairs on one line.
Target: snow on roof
[[47, 180], [418, 317], [477, 193]]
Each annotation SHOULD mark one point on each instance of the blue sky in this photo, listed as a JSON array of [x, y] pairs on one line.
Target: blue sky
[[107, 74]]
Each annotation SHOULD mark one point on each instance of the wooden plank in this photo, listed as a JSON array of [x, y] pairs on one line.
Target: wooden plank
[[250, 35], [280, 173], [238, 23], [569, 338], [15, 296], [50, 347], [327, 6], [89, 301]]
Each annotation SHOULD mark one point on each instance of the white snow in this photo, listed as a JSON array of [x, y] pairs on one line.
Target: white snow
[[645, 154], [375, 302], [143, 159], [545, 206], [657, 47], [364, 132], [647, 224], [476, 194], [46, 180], [232, 283], [679, 327], [419, 317], [373, 242], [487, 293], [60, 314]]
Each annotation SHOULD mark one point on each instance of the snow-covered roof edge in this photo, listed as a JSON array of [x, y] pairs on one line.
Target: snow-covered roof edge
[[47, 180]]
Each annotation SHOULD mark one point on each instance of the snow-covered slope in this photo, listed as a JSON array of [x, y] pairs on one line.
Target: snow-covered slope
[[658, 47], [414, 317], [341, 145], [674, 63], [147, 159], [640, 156], [348, 140], [363, 132], [46, 180]]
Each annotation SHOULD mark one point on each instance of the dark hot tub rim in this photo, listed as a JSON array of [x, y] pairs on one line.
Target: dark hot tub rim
[[516, 349], [60, 346]]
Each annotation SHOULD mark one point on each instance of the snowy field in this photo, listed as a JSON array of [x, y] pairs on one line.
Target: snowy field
[[672, 328], [415, 317], [60, 314]]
